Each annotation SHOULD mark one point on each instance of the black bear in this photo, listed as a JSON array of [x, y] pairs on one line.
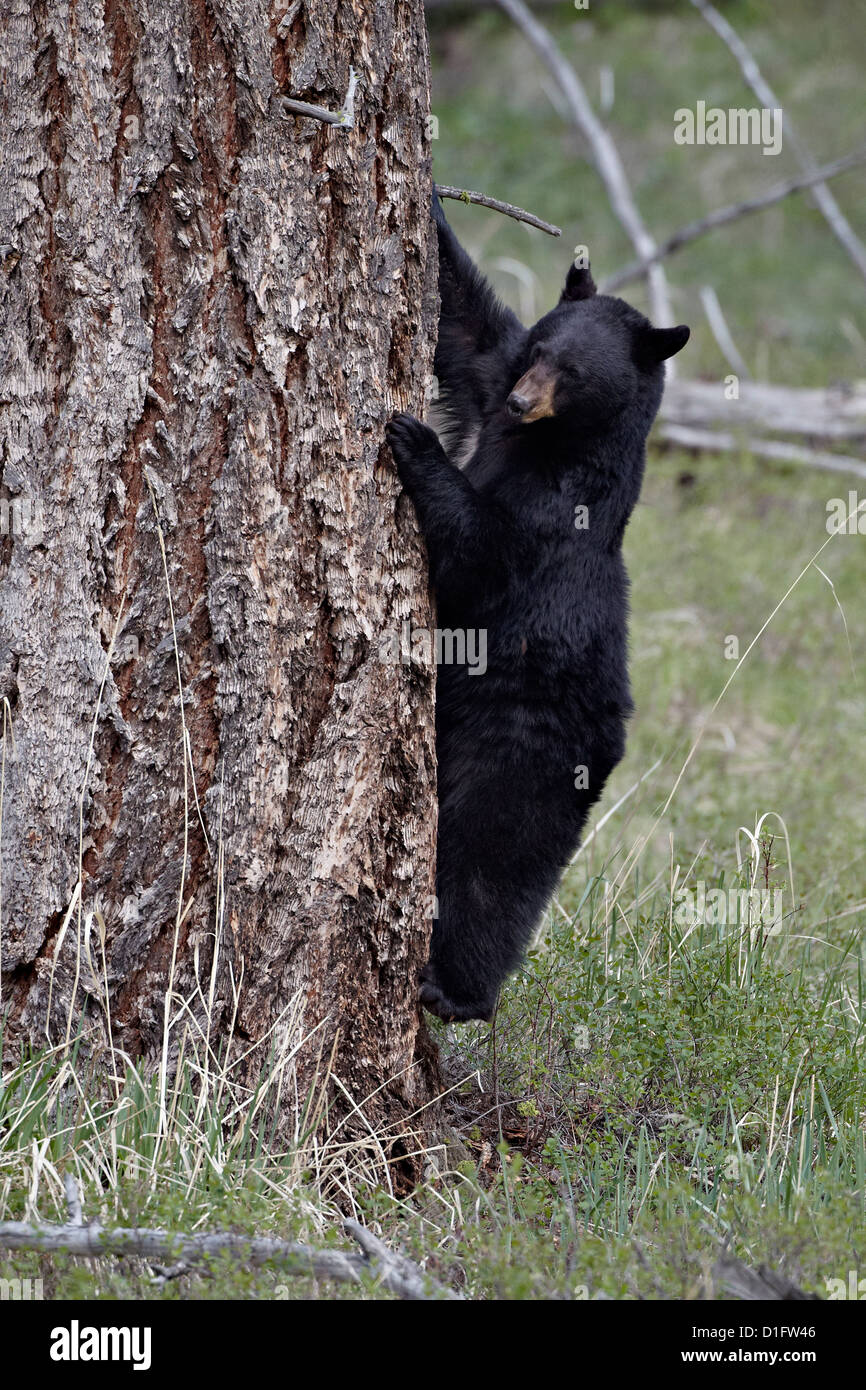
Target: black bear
[[524, 545]]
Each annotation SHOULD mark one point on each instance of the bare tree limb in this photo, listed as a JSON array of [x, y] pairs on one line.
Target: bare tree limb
[[710, 441], [406, 1275], [762, 1284], [732, 212], [93, 1240], [394, 1272], [839, 224], [436, 6], [464, 195], [829, 413], [604, 152], [722, 333]]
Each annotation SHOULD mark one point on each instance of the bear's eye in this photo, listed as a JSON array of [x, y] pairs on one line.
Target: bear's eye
[[537, 354]]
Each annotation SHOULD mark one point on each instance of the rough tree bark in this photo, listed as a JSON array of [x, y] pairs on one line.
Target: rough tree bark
[[209, 310]]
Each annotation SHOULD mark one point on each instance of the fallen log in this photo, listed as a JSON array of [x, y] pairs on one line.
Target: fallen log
[[829, 413], [780, 450]]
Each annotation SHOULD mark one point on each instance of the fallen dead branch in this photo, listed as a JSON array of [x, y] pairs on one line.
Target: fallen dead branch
[[392, 1271], [830, 413], [760, 1284], [712, 441]]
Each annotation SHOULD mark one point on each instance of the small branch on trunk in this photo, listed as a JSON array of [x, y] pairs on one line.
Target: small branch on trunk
[[732, 212], [345, 117], [435, 6], [836, 219], [464, 195]]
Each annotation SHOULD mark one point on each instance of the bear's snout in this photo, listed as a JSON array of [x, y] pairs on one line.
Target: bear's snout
[[517, 404], [532, 397]]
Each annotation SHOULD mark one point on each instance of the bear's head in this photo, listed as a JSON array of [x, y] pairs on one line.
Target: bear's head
[[590, 359]]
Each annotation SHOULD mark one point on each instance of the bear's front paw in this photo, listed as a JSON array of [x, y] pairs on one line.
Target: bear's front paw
[[410, 440]]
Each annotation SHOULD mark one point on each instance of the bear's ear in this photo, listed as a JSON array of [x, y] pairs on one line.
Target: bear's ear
[[579, 284], [655, 345]]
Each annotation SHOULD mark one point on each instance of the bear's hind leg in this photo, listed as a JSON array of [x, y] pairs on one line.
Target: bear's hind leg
[[498, 865], [486, 915]]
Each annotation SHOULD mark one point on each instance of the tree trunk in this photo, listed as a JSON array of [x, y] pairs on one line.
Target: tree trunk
[[209, 311]]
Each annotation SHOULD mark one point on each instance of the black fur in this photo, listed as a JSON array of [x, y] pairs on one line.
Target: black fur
[[506, 556]]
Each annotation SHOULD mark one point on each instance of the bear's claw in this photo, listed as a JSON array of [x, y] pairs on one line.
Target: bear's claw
[[408, 435]]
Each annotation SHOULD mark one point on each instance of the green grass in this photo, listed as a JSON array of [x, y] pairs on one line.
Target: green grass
[[651, 1091]]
